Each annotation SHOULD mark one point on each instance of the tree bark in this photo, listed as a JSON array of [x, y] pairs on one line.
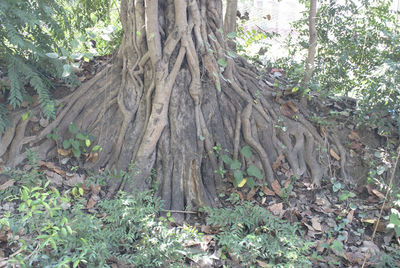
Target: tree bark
[[230, 21], [167, 100], [312, 43]]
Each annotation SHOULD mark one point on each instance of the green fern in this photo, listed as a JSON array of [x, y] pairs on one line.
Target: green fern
[[250, 232]]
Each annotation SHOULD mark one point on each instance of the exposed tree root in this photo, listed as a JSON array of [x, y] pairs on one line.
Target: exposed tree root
[[158, 106]]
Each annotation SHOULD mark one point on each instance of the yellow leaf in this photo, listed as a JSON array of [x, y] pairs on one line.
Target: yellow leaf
[[334, 154], [242, 183]]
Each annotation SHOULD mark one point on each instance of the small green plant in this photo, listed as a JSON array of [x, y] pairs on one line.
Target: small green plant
[[79, 143], [250, 233], [241, 177], [50, 229]]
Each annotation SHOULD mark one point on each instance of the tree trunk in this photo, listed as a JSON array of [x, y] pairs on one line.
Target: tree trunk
[[230, 21], [168, 100], [312, 43]]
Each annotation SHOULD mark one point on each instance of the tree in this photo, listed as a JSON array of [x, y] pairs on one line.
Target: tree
[[312, 43], [173, 101]]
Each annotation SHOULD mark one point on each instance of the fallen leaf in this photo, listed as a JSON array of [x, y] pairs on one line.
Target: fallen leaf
[[278, 161], [350, 216], [95, 189], [206, 229], [315, 224], [276, 187], [308, 226], [92, 201], [286, 110], [48, 165], [263, 264], [378, 194], [75, 179], [267, 191], [334, 154], [354, 136], [7, 184], [242, 183], [251, 194], [276, 209], [54, 178], [63, 152], [355, 146], [292, 106]]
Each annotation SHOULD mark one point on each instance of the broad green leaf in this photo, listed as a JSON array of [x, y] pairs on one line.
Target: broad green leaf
[[96, 148], [80, 136], [73, 128], [250, 182], [226, 159], [66, 144], [255, 172], [77, 153], [235, 164], [222, 62], [246, 151], [67, 70], [87, 143], [52, 55], [75, 144], [237, 177]]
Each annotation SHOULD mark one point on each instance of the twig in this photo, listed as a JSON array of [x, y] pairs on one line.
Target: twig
[[384, 203]]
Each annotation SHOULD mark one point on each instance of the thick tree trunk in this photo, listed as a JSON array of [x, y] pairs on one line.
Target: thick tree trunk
[[168, 97]]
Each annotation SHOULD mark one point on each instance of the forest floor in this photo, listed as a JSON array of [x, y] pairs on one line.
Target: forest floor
[[339, 218]]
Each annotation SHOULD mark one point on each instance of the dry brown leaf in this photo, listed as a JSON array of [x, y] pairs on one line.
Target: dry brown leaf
[[355, 146], [251, 194], [286, 111], [350, 216], [278, 161], [48, 165], [316, 225], [63, 152], [354, 136], [7, 184], [95, 189], [378, 194], [206, 229], [308, 226], [334, 154], [292, 106], [91, 202], [276, 209], [276, 187], [267, 191], [263, 264]]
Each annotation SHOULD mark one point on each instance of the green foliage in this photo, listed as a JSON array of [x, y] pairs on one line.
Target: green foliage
[[53, 229], [81, 142], [357, 56], [251, 233], [251, 172], [28, 30]]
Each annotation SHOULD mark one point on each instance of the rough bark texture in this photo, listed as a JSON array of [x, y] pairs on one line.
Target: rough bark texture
[[312, 42], [164, 102], [230, 21]]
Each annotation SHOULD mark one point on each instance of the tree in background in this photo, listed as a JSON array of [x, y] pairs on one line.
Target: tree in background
[[177, 102]]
